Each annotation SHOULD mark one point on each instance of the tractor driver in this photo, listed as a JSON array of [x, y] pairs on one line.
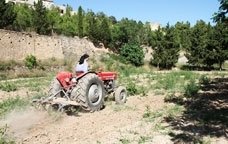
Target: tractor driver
[[82, 66]]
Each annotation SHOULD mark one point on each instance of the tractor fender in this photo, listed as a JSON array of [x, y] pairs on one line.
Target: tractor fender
[[80, 75]]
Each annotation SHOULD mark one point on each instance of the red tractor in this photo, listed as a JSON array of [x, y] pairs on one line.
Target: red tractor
[[88, 90]]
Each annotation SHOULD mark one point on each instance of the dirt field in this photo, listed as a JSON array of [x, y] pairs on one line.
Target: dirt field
[[113, 124]]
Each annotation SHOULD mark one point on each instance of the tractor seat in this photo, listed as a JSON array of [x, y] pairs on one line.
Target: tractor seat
[[78, 73]]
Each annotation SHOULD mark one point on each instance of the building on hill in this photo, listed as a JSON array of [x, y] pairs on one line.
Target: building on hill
[[154, 26], [47, 3]]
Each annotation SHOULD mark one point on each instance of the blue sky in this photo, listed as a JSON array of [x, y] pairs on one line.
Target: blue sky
[[160, 11]]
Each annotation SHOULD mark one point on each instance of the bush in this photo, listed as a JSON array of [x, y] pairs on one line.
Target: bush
[[204, 80], [30, 62], [191, 89], [133, 53], [132, 89]]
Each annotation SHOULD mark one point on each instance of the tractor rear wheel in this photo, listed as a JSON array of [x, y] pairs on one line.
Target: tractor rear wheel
[[55, 87], [89, 92], [120, 95]]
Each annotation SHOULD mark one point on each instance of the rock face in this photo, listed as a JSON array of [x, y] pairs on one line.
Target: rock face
[[17, 45]]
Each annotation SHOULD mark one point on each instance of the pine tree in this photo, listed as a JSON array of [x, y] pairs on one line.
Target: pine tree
[[41, 24], [7, 14], [221, 15], [166, 49], [197, 52], [23, 19], [80, 22]]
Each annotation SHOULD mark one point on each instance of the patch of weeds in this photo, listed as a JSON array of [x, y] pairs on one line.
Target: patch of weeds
[[173, 97], [142, 91], [164, 112], [31, 74], [4, 139], [143, 139], [39, 95], [151, 116], [159, 92], [3, 76], [8, 87], [204, 80], [191, 89], [174, 111], [124, 141], [118, 108], [12, 103], [132, 89]]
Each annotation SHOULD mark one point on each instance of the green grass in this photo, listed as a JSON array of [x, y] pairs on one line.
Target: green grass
[[4, 139], [11, 104], [167, 111], [8, 87]]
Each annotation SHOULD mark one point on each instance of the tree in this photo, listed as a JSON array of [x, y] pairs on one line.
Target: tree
[[41, 24], [104, 32], [133, 53], [182, 34], [80, 22], [166, 49], [24, 18], [199, 38], [68, 23], [7, 14], [221, 15], [53, 16], [219, 42]]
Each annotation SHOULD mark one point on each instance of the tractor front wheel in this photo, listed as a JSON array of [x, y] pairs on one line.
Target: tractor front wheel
[[120, 95]]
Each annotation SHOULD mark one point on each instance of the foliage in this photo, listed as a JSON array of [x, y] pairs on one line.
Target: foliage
[[221, 15], [8, 87], [133, 53], [204, 80], [191, 89], [182, 34], [80, 22], [196, 53], [41, 24], [7, 14], [53, 17], [166, 50], [218, 43], [132, 89], [24, 18], [30, 62]]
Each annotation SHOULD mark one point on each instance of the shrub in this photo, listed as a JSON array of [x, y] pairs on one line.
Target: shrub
[[30, 62], [191, 89], [204, 80], [133, 53], [132, 89]]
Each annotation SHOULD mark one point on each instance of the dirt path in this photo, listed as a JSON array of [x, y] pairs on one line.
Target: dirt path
[[114, 124]]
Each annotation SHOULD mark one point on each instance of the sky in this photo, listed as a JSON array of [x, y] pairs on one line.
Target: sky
[[155, 11]]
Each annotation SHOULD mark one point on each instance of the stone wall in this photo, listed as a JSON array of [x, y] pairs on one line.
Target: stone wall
[[17, 45]]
